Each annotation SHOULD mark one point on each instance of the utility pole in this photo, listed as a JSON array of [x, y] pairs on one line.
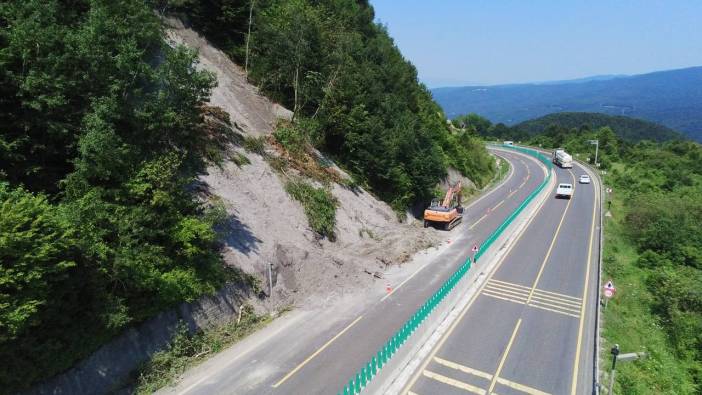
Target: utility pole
[[248, 37], [615, 352], [616, 356], [597, 148], [270, 280]]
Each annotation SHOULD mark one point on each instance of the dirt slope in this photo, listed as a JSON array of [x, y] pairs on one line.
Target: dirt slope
[[267, 227]]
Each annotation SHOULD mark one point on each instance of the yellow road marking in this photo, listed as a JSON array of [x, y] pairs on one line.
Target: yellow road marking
[[530, 304], [287, 376], [552, 310], [563, 308], [520, 387], [454, 383], [557, 294], [508, 288], [472, 226], [479, 373], [510, 284], [563, 302], [411, 393], [521, 298], [477, 222], [504, 356], [576, 361], [553, 241], [465, 309], [507, 291], [462, 368], [511, 193], [504, 298]]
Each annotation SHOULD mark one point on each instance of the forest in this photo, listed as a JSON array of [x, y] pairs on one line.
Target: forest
[[104, 131], [340, 72]]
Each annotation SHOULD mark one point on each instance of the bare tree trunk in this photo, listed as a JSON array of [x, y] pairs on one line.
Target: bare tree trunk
[[248, 37], [296, 87]]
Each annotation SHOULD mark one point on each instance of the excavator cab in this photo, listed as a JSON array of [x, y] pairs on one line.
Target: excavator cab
[[446, 213]]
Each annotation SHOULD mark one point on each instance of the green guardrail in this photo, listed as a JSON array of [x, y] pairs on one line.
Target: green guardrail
[[381, 358]]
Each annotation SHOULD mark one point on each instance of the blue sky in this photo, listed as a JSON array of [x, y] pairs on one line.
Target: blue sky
[[463, 42]]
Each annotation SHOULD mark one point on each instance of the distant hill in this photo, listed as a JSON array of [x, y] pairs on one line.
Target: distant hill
[[630, 129], [672, 98]]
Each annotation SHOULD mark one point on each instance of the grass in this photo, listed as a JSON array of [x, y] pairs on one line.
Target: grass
[[629, 321], [240, 159], [319, 205], [502, 170], [188, 350], [296, 151], [365, 231], [256, 145]]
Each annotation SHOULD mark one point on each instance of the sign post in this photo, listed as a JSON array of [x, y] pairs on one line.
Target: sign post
[[609, 290]]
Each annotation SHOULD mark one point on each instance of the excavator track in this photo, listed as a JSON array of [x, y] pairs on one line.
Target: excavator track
[[453, 223]]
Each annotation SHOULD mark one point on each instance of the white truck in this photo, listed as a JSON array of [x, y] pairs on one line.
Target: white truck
[[564, 191], [562, 158]]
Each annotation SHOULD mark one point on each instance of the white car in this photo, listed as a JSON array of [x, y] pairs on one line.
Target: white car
[[584, 179], [564, 191]]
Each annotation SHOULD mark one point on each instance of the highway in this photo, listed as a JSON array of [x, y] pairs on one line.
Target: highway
[[530, 328], [317, 353]]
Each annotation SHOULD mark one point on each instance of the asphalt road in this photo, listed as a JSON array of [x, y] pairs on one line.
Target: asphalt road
[[292, 362], [530, 329]]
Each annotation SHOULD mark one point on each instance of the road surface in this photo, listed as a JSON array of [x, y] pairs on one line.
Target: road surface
[[317, 354], [530, 329]]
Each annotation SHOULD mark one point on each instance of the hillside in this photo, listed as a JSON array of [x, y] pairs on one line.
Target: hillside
[[142, 169], [671, 98], [629, 129]]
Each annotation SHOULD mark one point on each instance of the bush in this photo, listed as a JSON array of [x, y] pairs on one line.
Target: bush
[[185, 350], [319, 205], [257, 145]]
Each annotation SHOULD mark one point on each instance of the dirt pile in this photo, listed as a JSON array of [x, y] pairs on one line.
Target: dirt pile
[[266, 227]]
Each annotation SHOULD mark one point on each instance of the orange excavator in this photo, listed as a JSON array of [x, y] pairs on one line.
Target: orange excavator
[[447, 213]]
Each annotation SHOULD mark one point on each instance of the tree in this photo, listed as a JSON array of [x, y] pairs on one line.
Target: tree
[[37, 251]]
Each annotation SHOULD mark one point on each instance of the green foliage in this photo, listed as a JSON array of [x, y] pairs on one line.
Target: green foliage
[[240, 159], [631, 321], [256, 145], [293, 138], [355, 96], [628, 129], [102, 136], [653, 250], [319, 205], [473, 122], [37, 252], [186, 350]]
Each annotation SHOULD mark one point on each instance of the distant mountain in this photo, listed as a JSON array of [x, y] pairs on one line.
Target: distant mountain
[[630, 129], [672, 98]]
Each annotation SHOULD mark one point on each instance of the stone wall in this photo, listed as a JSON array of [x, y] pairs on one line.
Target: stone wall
[[109, 368]]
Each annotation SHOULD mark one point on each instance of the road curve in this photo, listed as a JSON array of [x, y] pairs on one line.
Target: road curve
[[302, 358], [530, 328]]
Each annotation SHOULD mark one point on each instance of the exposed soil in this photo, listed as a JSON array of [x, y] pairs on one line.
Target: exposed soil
[[266, 227]]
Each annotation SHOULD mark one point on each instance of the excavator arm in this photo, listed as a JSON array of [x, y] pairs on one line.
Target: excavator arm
[[450, 193]]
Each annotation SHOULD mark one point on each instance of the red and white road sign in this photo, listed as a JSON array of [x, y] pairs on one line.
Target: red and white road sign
[[609, 289], [475, 248]]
